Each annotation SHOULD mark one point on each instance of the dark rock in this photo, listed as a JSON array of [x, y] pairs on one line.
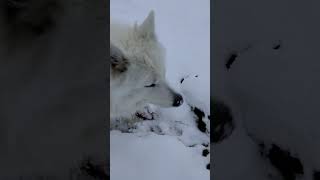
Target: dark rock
[[200, 115], [205, 152], [208, 166]]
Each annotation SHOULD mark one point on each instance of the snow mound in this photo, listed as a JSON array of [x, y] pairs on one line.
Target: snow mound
[[156, 157]]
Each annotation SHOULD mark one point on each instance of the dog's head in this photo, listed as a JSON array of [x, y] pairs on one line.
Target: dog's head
[[138, 69]]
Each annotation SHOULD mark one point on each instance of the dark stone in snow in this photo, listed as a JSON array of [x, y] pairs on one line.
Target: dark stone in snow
[[205, 152], [198, 112], [200, 115], [208, 166], [181, 81], [205, 145]]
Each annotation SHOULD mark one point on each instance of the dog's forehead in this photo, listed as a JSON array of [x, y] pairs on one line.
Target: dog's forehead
[[141, 72], [146, 66], [150, 71]]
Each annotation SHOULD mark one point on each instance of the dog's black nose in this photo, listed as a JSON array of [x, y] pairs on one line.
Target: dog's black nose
[[178, 100]]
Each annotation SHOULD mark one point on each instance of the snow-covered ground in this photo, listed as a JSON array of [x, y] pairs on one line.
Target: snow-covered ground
[[170, 146]]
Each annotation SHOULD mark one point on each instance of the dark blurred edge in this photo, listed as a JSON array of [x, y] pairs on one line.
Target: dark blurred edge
[[104, 7], [108, 83], [211, 83]]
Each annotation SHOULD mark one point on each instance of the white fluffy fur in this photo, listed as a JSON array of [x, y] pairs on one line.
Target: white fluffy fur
[[145, 54]]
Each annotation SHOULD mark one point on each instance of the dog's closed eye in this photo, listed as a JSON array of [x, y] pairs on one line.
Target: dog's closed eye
[[151, 85]]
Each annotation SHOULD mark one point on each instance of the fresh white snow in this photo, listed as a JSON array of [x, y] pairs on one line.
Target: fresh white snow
[[151, 156]]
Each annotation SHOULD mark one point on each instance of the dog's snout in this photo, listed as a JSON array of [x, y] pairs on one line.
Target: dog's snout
[[178, 100]]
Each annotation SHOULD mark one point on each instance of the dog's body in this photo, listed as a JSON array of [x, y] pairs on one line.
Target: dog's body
[[137, 75], [52, 96]]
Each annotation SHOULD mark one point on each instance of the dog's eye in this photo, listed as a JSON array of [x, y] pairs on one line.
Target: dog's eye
[[151, 85]]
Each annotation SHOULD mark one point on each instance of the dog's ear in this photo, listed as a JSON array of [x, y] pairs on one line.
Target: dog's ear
[[119, 63], [147, 28]]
